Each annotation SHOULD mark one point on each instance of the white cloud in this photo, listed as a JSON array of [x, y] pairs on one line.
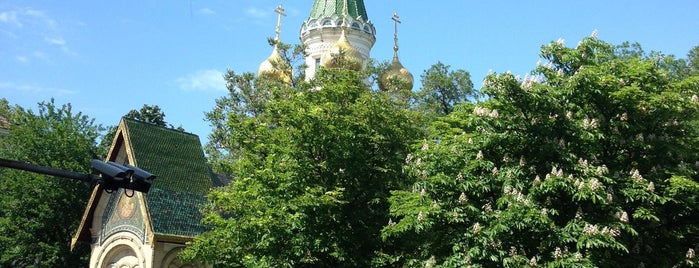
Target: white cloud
[[22, 59], [203, 80], [34, 27], [56, 41], [257, 13], [206, 11], [10, 17], [35, 89]]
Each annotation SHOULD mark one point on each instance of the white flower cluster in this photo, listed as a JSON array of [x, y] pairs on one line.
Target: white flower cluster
[[602, 170], [593, 229], [528, 81], [695, 98], [636, 176], [484, 111], [622, 216], [463, 198], [488, 208], [590, 123], [479, 156], [583, 162], [532, 262], [476, 228], [522, 161], [537, 181], [579, 214], [593, 184], [624, 117], [555, 172], [690, 254], [558, 254], [519, 197]]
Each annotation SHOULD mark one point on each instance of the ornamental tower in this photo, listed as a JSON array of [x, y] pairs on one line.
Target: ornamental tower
[[336, 25]]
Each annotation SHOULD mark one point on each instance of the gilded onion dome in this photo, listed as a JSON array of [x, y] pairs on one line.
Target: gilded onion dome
[[352, 57], [275, 67], [396, 72]]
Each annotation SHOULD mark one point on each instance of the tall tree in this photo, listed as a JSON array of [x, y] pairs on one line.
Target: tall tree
[[442, 89], [148, 113], [38, 214], [693, 60], [590, 162], [312, 173]]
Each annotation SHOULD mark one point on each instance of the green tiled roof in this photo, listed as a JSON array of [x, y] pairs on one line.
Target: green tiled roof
[[183, 176], [328, 8]]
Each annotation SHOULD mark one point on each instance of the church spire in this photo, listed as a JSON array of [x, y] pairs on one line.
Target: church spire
[[275, 67], [396, 71]]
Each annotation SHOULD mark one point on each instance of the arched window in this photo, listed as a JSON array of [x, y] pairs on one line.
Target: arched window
[[327, 23], [356, 26], [367, 30]]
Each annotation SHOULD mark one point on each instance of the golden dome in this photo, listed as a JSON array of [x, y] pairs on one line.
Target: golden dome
[[352, 56], [396, 72], [275, 68]]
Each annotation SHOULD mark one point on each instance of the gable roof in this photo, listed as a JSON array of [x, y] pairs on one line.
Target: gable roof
[[183, 178]]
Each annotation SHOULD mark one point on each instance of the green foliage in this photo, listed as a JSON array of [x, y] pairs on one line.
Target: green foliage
[[693, 60], [587, 162], [149, 114], [313, 167], [442, 89], [39, 214]]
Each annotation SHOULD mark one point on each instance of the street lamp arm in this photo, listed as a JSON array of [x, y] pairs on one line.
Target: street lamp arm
[[48, 170]]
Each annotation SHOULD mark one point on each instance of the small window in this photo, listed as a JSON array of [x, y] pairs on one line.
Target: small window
[[317, 62], [366, 29], [327, 23], [356, 26]]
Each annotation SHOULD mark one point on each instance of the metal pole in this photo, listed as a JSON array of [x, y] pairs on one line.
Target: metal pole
[[48, 170]]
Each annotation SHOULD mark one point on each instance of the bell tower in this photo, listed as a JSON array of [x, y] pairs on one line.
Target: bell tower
[[323, 29]]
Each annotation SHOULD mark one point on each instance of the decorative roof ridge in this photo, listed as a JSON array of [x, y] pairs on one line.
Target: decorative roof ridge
[[159, 126]]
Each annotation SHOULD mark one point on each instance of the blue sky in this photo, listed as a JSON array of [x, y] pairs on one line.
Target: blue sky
[[108, 57]]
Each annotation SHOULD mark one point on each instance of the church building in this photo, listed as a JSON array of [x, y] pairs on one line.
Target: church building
[[133, 229]]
